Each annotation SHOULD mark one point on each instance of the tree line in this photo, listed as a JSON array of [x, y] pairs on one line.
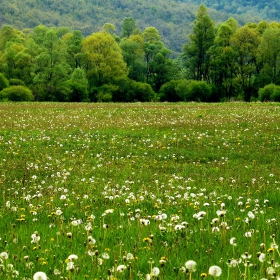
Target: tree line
[[219, 62]]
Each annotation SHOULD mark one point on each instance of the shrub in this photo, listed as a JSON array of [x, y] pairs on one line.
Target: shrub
[[275, 94], [168, 92], [266, 92], [191, 90], [4, 83], [16, 82], [16, 93]]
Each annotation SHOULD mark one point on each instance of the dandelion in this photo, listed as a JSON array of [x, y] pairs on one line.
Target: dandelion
[[215, 271], [232, 241], [105, 256], [4, 256], [35, 237], [155, 272], [121, 268], [262, 257], [72, 257], [191, 266], [40, 276], [248, 234]]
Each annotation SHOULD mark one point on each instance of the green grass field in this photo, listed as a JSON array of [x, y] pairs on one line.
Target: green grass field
[[134, 191]]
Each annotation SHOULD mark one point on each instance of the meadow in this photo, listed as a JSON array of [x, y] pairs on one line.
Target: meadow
[[139, 191]]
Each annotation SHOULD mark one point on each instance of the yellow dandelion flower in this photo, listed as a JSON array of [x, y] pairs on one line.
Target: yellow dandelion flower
[[270, 250], [203, 275]]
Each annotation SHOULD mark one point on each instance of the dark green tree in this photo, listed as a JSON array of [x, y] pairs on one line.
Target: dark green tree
[[195, 53], [128, 27]]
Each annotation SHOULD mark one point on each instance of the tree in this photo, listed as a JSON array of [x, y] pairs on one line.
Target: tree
[[222, 60], [195, 53], [245, 43], [73, 42], [51, 67], [106, 64], [268, 56], [133, 54], [128, 27]]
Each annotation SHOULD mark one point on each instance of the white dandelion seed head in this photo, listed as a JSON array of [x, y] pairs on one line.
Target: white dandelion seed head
[[232, 241], [191, 265], [155, 272], [121, 268], [262, 257], [215, 270], [40, 276], [72, 257]]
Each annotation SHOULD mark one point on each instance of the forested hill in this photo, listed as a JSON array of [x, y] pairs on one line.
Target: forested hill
[[172, 18]]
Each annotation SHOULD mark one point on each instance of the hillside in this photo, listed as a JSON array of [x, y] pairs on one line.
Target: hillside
[[173, 18]]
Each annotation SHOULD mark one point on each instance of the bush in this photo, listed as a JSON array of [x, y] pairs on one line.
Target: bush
[[266, 92], [275, 94], [191, 90], [168, 92], [130, 91], [16, 82], [16, 93], [4, 83]]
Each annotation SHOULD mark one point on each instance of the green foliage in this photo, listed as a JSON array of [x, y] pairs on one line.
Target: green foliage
[[195, 53], [131, 91], [270, 92], [16, 82], [16, 93], [105, 58], [191, 90], [4, 83], [169, 92]]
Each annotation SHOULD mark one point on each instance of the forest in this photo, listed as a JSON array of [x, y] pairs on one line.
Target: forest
[[218, 62]]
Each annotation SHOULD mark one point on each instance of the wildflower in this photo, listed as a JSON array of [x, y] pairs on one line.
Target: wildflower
[[105, 256], [72, 257], [233, 262], [251, 215], [221, 213], [215, 229], [215, 271], [248, 234], [121, 268], [40, 276], [155, 272], [56, 272], [129, 256], [4, 256], [270, 271], [246, 255], [203, 275], [70, 266], [262, 257], [191, 266], [200, 215], [35, 237], [232, 241]]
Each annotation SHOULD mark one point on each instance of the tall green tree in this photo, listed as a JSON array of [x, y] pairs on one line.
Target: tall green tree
[[245, 43], [268, 56], [128, 27], [222, 60], [106, 64], [195, 53], [133, 54], [51, 67], [73, 41]]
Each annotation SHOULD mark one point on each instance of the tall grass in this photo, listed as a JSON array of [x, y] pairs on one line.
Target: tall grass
[[135, 191]]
